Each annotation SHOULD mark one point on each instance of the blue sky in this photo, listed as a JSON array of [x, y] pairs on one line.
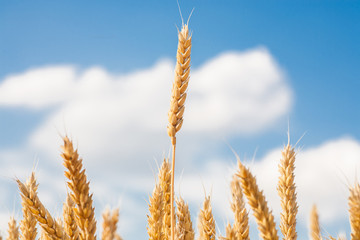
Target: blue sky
[[306, 51]]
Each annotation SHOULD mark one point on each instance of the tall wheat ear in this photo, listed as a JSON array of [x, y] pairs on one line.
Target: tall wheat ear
[[28, 223], [314, 224], [31, 200], [241, 224], [13, 230], [110, 221], [177, 103], [184, 228], [155, 218], [354, 210], [165, 186], [258, 204], [70, 225], [79, 186], [287, 192], [206, 222]]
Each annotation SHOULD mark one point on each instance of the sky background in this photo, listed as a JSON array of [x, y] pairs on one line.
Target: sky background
[[101, 71]]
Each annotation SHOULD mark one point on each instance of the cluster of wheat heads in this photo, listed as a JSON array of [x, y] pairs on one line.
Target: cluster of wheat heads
[[165, 224], [78, 221]]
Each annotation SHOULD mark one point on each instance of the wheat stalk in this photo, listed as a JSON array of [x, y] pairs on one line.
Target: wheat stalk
[[286, 190], [165, 186], [31, 200], [354, 210], [206, 222], [177, 107], [314, 224], [258, 204], [156, 214], [28, 223], [110, 221], [79, 186], [13, 230], [184, 228], [241, 224], [70, 225]]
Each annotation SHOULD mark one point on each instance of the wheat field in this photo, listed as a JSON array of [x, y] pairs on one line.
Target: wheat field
[[169, 216]]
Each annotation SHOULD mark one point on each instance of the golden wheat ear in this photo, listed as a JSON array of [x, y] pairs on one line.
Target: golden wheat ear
[[241, 224], [79, 186], [110, 221], [354, 210], [184, 228], [155, 219], [230, 233], [165, 187], [70, 225], [28, 223], [177, 103], [13, 230], [206, 222], [287, 192], [314, 224], [258, 204], [31, 201]]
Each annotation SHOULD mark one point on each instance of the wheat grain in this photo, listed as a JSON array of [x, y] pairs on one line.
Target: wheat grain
[[156, 214], [241, 224], [48, 224], [314, 224], [184, 227], [70, 225], [206, 222], [354, 210], [258, 204], [13, 230], [287, 193], [79, 186], [28, 223]]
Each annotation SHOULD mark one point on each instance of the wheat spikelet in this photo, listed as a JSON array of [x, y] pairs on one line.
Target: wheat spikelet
[[354, 210], [206, 222], [286, 190], [184, 229], [79, 186], [258, 204], [241, 225], [230, 233], [180, 84], [314, 224], [70, 225], [28, 223], [48, 224], [165, 186], [156, 214], [13, 230], [110, 221]]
